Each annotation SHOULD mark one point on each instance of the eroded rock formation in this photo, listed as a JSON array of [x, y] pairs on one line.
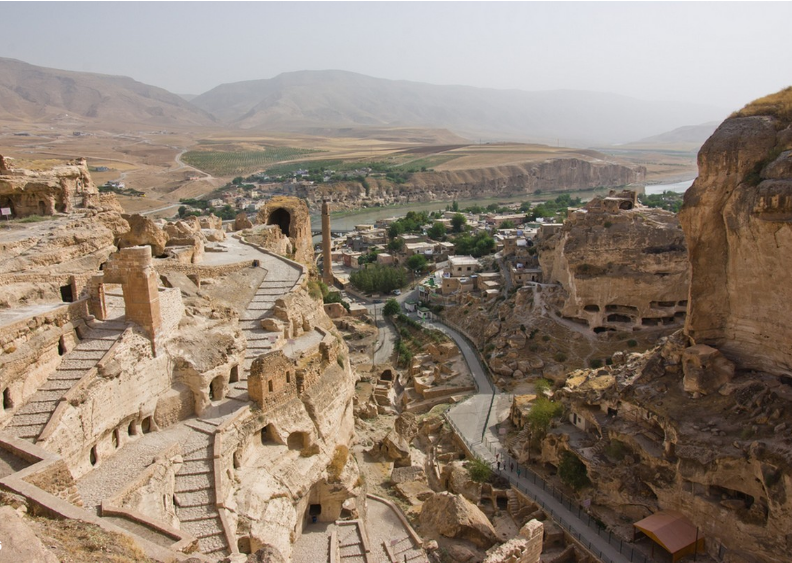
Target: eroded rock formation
[[622, 266], [59, 190], [737, 217]]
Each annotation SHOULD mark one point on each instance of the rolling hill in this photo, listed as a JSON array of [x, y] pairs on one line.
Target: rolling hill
[[31, 93], [298, 101]]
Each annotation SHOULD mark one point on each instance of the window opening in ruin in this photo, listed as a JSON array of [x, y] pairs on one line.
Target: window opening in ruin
[[315, 510], [92, 456], [132, 429], [216, 389], [238, 458], [243, 545], [591, 308], [288, 377], [7, 402], [66, 294], [42, 208], [387, 375], [346, 514], [281, 218], [297, 440], [145, 425], [234, 377], [616, 318], [61, 346], [115, 438], [269, 386], [503, 503]]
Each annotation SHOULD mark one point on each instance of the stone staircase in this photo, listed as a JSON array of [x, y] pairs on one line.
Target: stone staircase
[[403, 551], [259, 341], [350, 544], [29, 421], [195, 495]]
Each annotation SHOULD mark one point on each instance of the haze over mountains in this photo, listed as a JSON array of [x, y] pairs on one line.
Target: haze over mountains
[[335, 101]]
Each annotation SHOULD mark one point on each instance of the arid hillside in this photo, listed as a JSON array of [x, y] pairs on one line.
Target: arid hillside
[[33, 93]]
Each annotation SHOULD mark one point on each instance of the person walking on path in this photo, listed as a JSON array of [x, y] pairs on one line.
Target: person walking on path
[[511, 467], [518, 471]]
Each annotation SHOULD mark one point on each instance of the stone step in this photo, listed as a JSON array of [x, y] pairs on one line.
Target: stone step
[[213, 545], [205, 528], [70, 364], [81, 354], [201, 426], [204, 454], [95, 345], [58, 385], [37, 408], [67, 375], [195, 498], [195, 467], [192, 483], [195, 513], [46, 396], [26, 432], [30, 419]]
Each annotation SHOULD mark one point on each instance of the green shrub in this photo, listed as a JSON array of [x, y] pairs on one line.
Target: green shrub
[[479, 470], [572, 471], [632, 343], [595, 363], [560, 357], [616, 450]]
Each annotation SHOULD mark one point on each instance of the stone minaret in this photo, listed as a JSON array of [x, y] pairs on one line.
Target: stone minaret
[[327, 265]]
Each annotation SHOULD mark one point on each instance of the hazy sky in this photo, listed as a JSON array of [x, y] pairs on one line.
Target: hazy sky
[[720, 53]]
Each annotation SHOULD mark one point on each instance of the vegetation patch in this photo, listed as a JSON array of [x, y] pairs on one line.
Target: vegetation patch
[[221, 163], [572, 471]]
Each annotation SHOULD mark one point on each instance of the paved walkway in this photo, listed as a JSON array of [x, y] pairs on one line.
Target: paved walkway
[[470, 418]]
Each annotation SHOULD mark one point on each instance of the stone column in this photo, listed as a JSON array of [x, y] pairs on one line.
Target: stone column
[[96, 301], [327, 265]]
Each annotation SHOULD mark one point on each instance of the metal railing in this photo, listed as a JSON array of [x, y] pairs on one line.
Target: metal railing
[[514, 472]]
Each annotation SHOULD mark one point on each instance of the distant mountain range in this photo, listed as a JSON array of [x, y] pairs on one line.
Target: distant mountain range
[[690, 134], [34, 93], [337, 101]]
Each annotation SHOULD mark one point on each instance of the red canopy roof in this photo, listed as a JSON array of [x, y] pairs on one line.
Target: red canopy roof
[[669, 528]]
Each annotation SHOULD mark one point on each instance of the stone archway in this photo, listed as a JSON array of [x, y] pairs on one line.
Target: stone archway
[[282, 218]]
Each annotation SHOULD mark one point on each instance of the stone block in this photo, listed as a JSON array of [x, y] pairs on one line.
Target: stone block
[[706, 369]]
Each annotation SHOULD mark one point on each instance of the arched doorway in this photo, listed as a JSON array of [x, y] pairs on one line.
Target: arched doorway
[[282, 218], [216, 388]]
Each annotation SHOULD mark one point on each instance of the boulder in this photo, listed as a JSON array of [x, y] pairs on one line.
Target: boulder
[[242, 222], [143, 231], [453, 516], [706, 369], [459, 482], [517, 340], [19, 542]]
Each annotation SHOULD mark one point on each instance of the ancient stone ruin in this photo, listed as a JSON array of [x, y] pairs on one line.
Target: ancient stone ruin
[[59, 190]]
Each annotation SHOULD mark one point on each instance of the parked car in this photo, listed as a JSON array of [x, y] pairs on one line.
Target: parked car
[[396, 292]]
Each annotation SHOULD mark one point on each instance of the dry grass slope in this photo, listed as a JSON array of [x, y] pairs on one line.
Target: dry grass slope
[[778, 105]]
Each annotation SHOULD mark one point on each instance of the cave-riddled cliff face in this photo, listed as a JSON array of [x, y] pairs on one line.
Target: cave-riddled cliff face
[[737, 219]]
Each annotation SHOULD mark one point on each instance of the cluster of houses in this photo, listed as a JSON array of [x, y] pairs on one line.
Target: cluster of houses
[[452, 276]]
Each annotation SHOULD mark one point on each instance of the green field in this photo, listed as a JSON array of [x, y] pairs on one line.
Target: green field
[[240, 163]]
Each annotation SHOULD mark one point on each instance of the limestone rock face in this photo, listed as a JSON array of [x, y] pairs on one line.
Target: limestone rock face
[[19, 541], [525, 548], [453, 516], [143, 231], [737, 218], [621, 268]]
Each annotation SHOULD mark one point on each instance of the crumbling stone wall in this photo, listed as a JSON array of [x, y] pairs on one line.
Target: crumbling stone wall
[[60, 190], [291, 216]]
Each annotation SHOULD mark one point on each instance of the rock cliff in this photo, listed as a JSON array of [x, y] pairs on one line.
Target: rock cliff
[[553, 175], [700, 424], [737, 218], [621, 269]]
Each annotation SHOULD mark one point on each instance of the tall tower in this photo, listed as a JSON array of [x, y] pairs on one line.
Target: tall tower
[[327, 265]]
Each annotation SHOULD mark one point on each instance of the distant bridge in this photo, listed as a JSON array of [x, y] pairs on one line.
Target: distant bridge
[[333, 232]]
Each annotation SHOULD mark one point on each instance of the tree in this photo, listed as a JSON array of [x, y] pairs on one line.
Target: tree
[[335, 297], [458, 222], [437, 231], [396, 245], [507, 225], [238, 180], [391, 308], [417, 262], [572, 471], [455, 206], [377, 277], [395, 229], [538, 419]]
